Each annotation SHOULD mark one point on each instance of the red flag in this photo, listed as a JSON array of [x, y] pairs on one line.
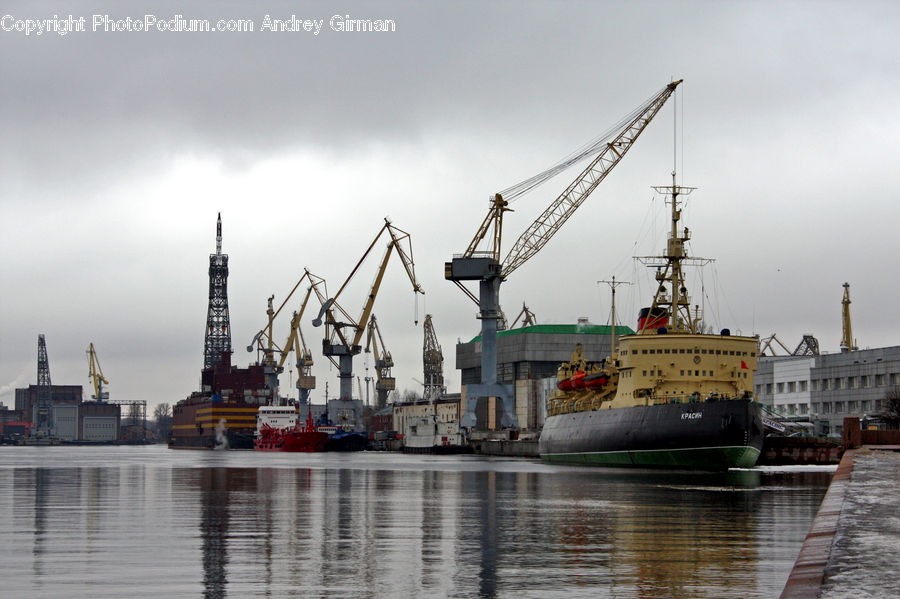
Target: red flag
[[744, 365]]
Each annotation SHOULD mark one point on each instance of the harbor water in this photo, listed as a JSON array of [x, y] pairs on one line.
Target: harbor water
[[151, 522]]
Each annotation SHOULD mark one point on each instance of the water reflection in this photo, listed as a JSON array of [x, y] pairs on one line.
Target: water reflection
[[235, 527]]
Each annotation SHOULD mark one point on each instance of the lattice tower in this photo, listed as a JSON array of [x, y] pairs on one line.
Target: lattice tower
[[218, 326], [43, 422]]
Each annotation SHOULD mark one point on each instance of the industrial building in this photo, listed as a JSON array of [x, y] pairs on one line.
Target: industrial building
[[73, 419], [824, 389], [528, 358]]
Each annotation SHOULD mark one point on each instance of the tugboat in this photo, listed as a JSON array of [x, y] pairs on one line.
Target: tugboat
[[278, 430], [673, 394]]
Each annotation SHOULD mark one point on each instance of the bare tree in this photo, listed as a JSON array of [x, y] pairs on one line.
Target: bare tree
[[890, 406], [409, 396], [162, 417]]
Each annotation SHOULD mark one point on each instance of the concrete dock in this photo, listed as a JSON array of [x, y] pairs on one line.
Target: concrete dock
[[853, 546]]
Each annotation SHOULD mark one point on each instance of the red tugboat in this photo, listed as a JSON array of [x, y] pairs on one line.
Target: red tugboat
[[278, 430]]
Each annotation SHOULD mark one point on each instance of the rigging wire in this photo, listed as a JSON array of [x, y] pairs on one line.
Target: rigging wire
[[590, 148]]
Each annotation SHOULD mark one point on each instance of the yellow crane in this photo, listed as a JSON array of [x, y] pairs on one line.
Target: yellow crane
[[848, 343], [485, 266], [95, 373], [265, 344], [343, 345], [384, 382]]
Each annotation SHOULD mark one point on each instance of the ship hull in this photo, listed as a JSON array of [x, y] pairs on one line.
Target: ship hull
[[297, 441], [714, 435], [200, 423]]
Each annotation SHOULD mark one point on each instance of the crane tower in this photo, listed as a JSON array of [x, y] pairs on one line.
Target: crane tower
[[43, 423], [218, 327], [485, 266], [433, 360]]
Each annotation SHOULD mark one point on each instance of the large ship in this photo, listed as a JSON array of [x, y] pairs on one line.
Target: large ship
[[278, 429], [674, 394], [223, 414]]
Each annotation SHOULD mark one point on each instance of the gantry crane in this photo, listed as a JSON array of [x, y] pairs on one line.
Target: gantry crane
[[384, 382], [95, 373], [344, 346], [433, 363], [265, 344], [485, 267]]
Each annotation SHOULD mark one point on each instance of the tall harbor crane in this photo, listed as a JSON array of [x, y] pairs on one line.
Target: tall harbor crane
[[485, 266], [345, 344], [384, 382], [433, 363], [264, 342], [95, 373], [848, 343]]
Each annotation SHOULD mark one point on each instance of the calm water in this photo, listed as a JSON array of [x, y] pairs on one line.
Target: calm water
[[151, 522]]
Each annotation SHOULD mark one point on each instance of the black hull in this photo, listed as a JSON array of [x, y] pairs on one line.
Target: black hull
[[346, 442], [706, 435], [236, 440]]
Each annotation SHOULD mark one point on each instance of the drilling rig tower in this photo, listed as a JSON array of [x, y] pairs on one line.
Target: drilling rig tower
[[218, 327]]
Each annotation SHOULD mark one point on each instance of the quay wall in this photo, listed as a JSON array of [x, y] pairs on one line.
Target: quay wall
[[778, 451], [523, 449], [805, 580]]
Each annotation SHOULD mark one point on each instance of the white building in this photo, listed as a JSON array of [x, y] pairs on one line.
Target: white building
[[828, 387]]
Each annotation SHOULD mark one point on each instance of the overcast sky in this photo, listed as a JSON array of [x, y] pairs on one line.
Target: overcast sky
[[120, 148]]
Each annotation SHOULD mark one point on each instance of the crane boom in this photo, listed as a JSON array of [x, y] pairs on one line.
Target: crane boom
[[558, 212]]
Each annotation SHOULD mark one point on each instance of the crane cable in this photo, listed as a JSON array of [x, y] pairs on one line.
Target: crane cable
[[592, 147]]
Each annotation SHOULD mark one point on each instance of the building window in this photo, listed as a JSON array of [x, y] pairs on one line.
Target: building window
[[803, 385], [879, 380], [826, 408], [839, 407], [864, 381], [769, 388], [682, 373], [852, 406], [851, 382], [779, 387], [838, 384], [865, 405], [792, 387], [804, 408]]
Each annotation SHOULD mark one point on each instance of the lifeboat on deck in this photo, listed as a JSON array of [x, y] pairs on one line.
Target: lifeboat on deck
[[596, 381]]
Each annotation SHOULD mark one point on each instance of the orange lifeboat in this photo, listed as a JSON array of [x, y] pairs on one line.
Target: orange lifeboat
[[578, 380], [596, 381]]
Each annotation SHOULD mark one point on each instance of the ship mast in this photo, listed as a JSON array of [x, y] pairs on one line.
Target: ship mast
[[671, 300]]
